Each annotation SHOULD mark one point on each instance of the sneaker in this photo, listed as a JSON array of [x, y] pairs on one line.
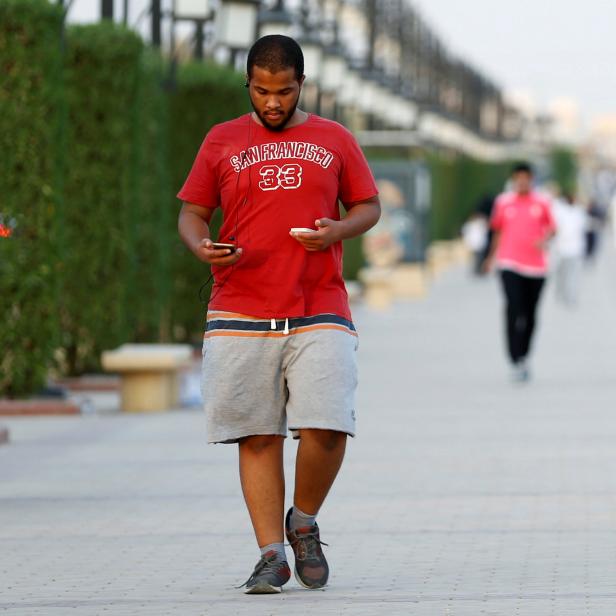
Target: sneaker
[[311, 568], [270, 575]]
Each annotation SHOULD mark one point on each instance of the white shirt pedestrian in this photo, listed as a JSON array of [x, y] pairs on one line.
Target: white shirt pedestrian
[[569, 245]]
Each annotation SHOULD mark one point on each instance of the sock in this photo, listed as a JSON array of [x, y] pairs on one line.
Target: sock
[[299, 519], [276, 547]]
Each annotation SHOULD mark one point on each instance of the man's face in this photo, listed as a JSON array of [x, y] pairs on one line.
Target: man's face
[[522, 182], [274, 96]]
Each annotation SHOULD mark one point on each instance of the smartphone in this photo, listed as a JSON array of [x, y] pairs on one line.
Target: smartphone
[[222, 246], [302, 230]]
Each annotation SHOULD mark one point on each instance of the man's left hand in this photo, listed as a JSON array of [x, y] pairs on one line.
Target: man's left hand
[[328, 232]]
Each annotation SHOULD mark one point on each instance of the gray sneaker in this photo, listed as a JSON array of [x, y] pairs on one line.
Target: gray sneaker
[[311, 568], [270, 575]]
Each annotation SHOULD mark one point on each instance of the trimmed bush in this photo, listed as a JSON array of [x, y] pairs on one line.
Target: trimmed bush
[[563, 162], [458, 184], [30, 57], [99, 264], [153, 199]]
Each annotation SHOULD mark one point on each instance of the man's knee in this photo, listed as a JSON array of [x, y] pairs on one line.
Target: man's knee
[[329, 440], [259, 443]]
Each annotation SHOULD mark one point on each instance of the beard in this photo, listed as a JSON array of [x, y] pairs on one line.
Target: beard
[[285, 119]]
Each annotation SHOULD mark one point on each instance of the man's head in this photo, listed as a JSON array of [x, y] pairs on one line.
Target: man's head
[[274, 75], [522, 177]]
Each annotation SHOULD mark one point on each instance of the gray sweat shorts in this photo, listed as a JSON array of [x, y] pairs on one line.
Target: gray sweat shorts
[[261, 376]]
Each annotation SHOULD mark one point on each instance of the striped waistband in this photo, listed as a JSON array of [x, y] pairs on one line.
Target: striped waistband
[[232, 324]]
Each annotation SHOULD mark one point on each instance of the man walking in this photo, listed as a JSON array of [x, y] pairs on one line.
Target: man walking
[[522, 225], [279, 347]]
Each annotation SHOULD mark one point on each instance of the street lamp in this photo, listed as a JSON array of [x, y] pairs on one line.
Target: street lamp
[[276, 20], [313, 57], [236, 22], [191, 10], [350, 88], [334, 66], [197, 11]]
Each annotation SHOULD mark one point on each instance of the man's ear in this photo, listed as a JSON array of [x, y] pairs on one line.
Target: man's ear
[[301, 80], [247, 81]]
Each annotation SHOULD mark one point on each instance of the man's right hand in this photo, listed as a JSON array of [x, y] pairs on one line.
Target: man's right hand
[[219, 257]]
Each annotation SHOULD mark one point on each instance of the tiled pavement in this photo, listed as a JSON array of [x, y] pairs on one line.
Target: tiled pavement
[[463, 494]]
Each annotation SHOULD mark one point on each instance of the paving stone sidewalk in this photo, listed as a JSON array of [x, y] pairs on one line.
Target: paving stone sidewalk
[[463, 494]]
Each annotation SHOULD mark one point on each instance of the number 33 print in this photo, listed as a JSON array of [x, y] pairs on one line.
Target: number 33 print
[[275, 177]]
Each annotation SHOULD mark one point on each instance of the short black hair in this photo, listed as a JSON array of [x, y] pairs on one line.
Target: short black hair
[[522, 167], [275, 53]]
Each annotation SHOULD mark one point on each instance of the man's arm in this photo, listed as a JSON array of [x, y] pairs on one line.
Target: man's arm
[[360, 217], [194, 229]]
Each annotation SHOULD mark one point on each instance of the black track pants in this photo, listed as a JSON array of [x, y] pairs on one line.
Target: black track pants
[[522, 295]]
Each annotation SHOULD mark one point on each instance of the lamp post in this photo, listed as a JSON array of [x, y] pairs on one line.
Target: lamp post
[[334, 68], [276, 20], [197, 11], [236, 25], [107, 9], [235, 22]]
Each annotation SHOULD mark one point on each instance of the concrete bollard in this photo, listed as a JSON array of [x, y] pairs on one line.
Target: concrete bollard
[[409, 281], [378, 292]]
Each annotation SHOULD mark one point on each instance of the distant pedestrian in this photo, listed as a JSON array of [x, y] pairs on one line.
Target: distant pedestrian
[[569, 247], [523, 224], [475, 238], [596, 219]]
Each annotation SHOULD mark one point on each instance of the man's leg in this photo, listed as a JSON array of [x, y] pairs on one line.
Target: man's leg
[[532, 294], [262, 478], [514, 314], [319, 457], [321, 378]]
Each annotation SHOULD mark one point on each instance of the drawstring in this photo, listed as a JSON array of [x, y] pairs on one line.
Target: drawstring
[[274, 326]]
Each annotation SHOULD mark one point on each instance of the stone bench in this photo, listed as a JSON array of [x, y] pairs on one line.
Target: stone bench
[[149, 374]]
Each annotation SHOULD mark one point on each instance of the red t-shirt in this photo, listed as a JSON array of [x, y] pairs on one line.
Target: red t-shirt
[[267, 182], [523, 221]]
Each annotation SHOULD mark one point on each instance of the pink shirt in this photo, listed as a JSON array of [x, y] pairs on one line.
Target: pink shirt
[[523, 221]]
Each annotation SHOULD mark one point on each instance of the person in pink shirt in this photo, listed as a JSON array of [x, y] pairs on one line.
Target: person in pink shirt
[[522, 224]]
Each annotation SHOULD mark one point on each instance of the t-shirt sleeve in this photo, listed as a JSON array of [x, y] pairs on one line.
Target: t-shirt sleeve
[[201, 185], [496, 221], [356, 179]]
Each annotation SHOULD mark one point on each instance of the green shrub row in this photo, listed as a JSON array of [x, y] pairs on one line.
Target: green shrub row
[[30, 197], [458, 184]]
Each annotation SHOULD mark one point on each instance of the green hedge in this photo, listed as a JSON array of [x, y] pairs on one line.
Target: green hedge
[[98, 241], [30, 57], [153, 199], [563, 163], [458, 183]]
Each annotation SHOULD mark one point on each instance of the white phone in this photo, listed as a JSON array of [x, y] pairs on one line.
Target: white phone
[[302, 230]]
